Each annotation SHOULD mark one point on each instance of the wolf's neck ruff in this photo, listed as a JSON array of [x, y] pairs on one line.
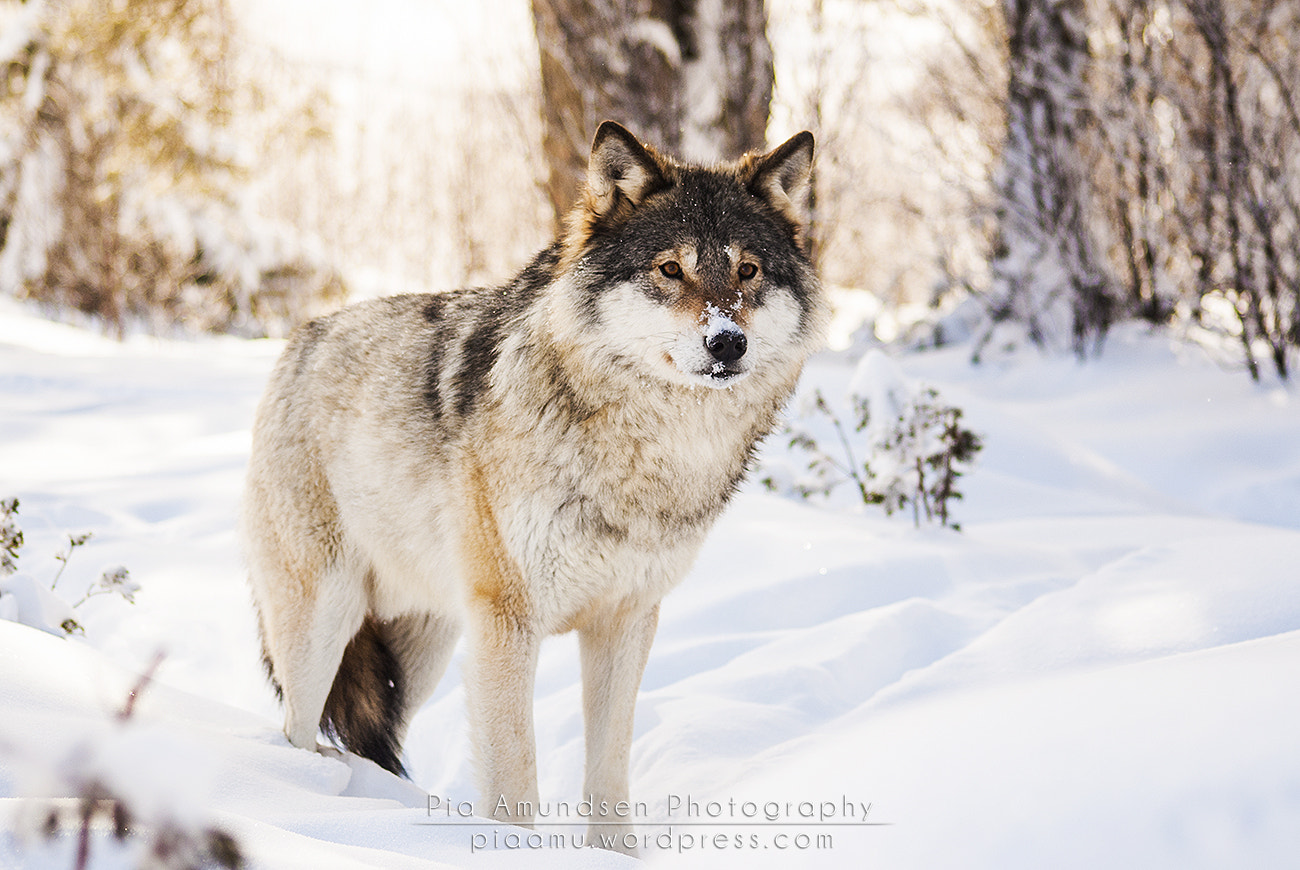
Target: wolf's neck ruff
[[508, 463]]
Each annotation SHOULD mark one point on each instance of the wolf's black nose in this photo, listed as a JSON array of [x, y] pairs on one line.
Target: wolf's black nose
[[727, 345]]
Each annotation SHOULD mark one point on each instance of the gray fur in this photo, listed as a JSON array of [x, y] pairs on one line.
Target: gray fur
[[515, 462]]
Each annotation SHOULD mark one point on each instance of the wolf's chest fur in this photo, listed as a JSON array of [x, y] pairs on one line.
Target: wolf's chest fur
[[653, 459], [614, 498]]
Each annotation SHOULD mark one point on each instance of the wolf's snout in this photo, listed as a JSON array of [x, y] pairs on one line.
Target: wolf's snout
[[726, 345]]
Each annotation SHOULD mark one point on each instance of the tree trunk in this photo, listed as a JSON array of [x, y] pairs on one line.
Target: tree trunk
[[693, 77], [1045, 267]]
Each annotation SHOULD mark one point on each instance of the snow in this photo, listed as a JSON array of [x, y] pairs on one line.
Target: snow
[[1099, 670], [24, 599], [716, 322]]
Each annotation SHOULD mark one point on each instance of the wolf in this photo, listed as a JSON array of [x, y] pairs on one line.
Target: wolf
[[516, 462]]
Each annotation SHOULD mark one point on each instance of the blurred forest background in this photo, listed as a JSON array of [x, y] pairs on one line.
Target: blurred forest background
[[992, 171]]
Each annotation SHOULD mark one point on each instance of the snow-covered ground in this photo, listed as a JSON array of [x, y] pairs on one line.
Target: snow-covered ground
[[1102, 669]]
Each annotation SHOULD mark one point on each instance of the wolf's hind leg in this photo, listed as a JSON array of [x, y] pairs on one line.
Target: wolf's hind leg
[[614, 648], [307, 646]]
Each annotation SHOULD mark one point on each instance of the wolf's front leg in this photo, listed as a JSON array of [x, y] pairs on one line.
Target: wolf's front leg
[[614, 649], [502, 664]]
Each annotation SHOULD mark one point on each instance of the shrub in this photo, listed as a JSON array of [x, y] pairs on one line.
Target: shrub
[[902, 447]]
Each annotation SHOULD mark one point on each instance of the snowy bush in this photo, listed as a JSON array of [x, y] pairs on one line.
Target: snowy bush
[[123, 190], [902, 446], [111, 788], [26, 600], [117, 777], [11, 537]]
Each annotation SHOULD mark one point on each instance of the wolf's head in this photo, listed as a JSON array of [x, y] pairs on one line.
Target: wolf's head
[[693, 274]]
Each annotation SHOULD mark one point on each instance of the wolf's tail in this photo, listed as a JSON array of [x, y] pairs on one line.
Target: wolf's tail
[[363, 712]]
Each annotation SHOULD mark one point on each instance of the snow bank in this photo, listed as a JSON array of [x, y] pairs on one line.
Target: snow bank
[[1098, 670]]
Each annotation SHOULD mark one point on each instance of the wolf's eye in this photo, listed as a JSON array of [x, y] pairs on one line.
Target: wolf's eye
[[747, 271], [671, 269]]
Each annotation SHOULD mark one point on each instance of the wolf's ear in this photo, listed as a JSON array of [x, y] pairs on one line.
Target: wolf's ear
[[782, 177], [621, 172]]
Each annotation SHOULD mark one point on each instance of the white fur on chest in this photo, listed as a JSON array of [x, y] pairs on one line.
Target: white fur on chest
[[622, 515], [615, 505]]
